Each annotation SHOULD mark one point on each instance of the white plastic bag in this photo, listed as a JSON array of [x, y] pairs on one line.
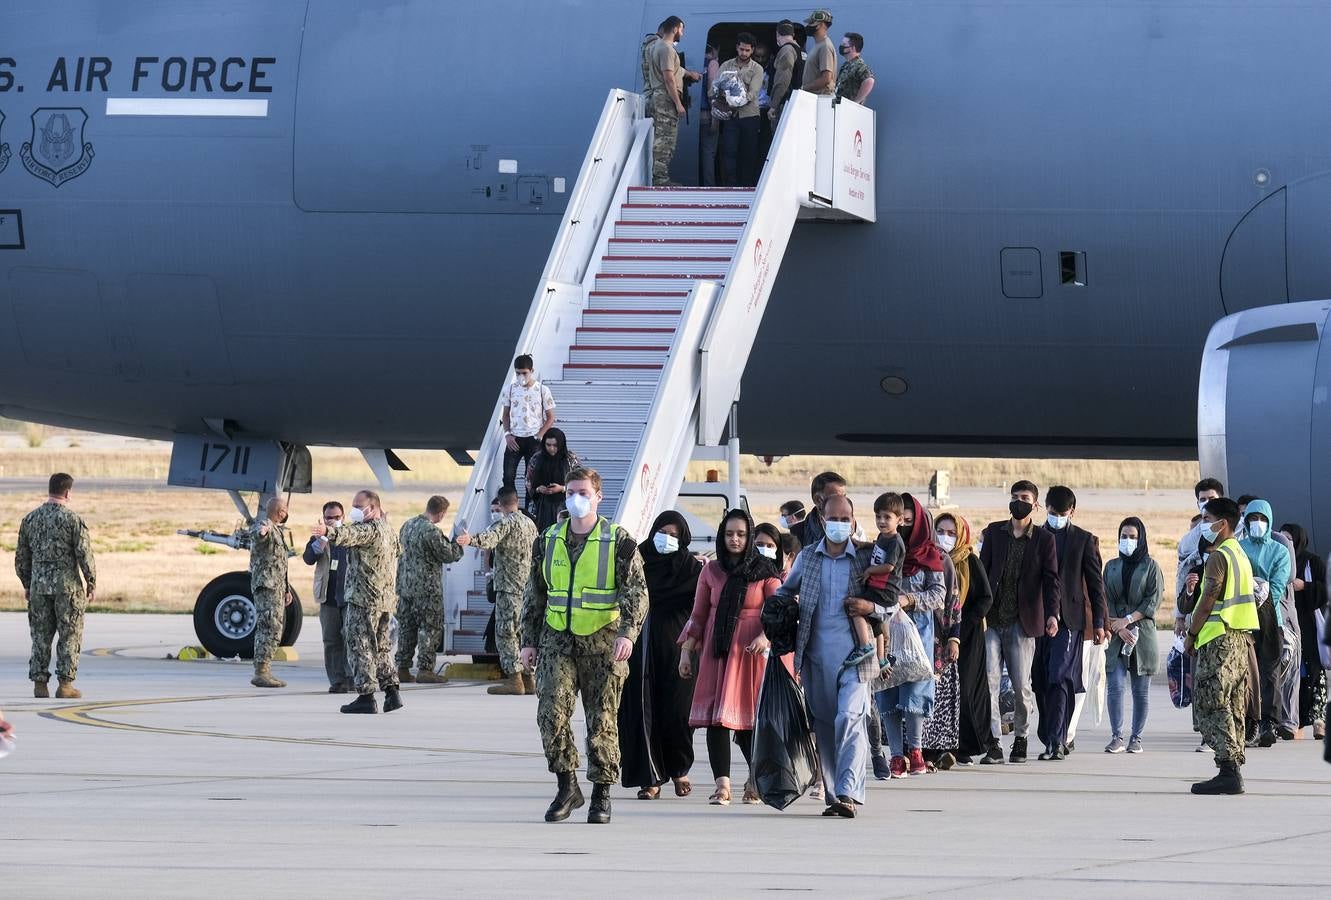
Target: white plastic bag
[[905, 651], [1096, 685]]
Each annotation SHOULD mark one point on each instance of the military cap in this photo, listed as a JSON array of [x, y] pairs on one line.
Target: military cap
[[819, 15]]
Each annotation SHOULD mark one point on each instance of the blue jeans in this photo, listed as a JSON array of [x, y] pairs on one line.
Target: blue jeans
[[1116, 683], [905, 730]]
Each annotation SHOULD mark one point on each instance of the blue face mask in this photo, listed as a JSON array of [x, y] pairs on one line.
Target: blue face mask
[[1058, 523], [1208, 532], [837, 532]]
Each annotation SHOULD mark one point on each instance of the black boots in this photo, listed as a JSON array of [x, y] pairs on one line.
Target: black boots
[[392, 699], [568, 798], [364, 703], [1228, 781], [599, 813]]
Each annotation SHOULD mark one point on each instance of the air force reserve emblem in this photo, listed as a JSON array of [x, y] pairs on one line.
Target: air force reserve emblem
[[4, 148], [57, 152]]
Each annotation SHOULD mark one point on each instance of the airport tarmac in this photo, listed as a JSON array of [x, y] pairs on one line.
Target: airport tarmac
[[178, 778]]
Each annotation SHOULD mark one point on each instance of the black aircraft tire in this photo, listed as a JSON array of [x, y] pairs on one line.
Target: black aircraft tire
[[224, 617], [292, 622]]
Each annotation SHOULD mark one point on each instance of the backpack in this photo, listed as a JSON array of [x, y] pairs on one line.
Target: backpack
[[727, 95], [796, 72]]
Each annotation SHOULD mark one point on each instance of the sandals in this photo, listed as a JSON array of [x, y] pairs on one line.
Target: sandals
[[720, 798], [682, 787], [649, 793], [751, 794]]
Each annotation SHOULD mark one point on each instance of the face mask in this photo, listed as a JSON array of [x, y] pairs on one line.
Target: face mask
[[665, 543], [769, 552], [1201, 505], [1127, 546], [495, 517], [1020, 509], [1208, 532], [1241, 532], [1058, 522], [578, 505], [843, 51], [1257, 529], [904, 531], [333, 523], [947, 542], [837, 532], [357, 515], [785, 523]]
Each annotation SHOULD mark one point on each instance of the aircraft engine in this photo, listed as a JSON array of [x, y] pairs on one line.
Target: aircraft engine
[[1264, 411]]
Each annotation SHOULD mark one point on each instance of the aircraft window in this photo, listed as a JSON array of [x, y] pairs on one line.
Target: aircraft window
[[1072, 268]]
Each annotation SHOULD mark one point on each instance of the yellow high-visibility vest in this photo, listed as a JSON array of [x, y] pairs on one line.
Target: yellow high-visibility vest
[[1236, 610], [581, 599]]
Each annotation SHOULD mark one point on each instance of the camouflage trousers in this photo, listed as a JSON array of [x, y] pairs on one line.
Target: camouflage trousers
[[508, 608], [50, 615], [368, 656], [665, 123], [419, 619], [1220, 686], [566, 667], [270, 607]]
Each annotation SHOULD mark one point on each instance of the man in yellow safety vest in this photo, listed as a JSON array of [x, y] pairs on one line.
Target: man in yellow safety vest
[[1218, 626], [584, 607]]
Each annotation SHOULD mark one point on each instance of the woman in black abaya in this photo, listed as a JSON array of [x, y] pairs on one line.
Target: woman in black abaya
[[655, 740]]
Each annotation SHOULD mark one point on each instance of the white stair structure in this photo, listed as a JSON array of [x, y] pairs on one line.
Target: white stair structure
[[647, 310]]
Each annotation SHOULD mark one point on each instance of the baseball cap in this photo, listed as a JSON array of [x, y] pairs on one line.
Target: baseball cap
[[819, 15]]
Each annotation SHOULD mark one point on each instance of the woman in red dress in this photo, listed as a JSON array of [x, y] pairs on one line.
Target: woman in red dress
[[726, 628]]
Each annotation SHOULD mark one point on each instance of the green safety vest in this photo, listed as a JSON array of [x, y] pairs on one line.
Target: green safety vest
[[1235, 610], [584, 600]]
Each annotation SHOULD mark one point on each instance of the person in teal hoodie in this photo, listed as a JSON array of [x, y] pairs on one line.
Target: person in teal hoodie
[[1270, 563]]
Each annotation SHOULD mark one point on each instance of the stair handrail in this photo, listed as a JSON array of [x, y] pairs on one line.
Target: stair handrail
[[654, 476], [552, 317], [787, 178]]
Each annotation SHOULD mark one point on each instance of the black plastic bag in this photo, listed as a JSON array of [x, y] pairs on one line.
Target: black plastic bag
[[780, 618], [785, 757]]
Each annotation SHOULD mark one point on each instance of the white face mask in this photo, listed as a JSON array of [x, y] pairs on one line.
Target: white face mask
[[764, 550], [496, 516], [1208, 532], [1257, 529], [1201, 505], [1058, 523], [947, 542], [665, 543], [1127, 546], [357, 515], [578, 506], [837, 532]]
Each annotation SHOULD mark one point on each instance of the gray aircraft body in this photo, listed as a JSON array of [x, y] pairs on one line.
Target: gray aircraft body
[[1069, 196]]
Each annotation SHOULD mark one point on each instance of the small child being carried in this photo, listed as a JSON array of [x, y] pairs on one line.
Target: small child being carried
[[882, 580]]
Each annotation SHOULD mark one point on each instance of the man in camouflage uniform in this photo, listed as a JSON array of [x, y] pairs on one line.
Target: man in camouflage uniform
[[420, 587], [584, 607], [855, 79], [270, 546], [1224, 609], [511, 539], [53, 550], [663, 93], [371, 598]]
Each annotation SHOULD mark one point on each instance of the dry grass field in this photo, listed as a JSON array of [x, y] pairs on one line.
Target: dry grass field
[[144, 566]]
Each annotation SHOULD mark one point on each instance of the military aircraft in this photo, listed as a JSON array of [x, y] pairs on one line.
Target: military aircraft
[[320, 222]]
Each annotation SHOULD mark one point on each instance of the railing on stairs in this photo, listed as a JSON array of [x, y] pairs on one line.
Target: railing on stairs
[[615, 160]]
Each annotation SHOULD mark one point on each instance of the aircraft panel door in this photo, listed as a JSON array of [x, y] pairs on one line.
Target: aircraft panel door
[[1252, 266], [60, 321]]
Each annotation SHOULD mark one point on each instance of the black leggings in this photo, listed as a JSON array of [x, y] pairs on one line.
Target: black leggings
[[718, 748]]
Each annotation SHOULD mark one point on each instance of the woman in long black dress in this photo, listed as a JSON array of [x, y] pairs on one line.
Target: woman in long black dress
[[655, 740], [954, 537], [1309, 578], [546, 476]]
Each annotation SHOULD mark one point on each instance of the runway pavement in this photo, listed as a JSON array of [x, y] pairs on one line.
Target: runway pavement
[[178, 778]]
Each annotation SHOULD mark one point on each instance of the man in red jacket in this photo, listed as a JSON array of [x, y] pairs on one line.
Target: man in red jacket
[[1023, 568]]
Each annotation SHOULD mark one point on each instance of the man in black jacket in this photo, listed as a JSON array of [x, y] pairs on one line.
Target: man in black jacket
[[330, 591], [1057, 674], [1020, 559]]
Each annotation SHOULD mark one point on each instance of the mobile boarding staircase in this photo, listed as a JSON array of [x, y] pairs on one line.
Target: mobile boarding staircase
[[648, 308]]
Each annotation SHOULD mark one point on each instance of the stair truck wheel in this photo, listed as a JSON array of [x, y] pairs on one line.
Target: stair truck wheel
[[292, 621]]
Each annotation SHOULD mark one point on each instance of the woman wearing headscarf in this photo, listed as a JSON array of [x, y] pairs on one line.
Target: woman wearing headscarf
[[1309, 596], [963, 686], [655, 739], [726, 629], [546, 476], [905, 708], [1134, 587]]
